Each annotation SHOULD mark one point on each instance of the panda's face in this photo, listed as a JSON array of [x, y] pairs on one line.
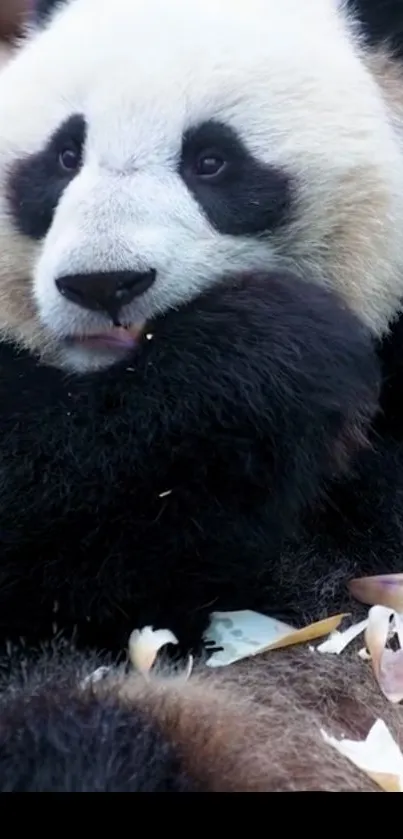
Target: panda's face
[[148, 148]]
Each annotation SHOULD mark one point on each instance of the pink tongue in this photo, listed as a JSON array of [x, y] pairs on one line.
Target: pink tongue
[[117, 337]]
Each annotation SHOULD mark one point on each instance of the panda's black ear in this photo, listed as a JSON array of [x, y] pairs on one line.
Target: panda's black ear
[[43, 10]]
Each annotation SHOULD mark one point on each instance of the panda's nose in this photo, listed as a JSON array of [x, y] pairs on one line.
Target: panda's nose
[[107, 291]]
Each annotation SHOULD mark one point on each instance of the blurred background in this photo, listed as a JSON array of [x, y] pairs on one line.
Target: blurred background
[[12, 16], [12, 13]]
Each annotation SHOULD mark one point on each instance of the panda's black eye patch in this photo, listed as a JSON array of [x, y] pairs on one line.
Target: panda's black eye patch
[[36, 183], [239, 194]]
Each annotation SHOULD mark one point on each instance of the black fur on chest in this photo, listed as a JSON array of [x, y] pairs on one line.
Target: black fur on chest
[[163, 488]]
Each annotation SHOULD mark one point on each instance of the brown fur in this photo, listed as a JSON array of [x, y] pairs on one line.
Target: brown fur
[[255, 726], [251, 727], [12, 16]]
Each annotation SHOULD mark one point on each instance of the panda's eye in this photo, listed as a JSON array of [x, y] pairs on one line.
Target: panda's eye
[[69, 159], [210, 164]]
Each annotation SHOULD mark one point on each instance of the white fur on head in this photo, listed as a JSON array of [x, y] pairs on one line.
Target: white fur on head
[[288, 76]]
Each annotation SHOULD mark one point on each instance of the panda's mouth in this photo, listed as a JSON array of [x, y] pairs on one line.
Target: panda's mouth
[[119, 339]]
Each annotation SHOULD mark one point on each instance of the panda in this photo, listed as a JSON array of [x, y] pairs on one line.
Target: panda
[[187, 417], [187, 413], [200, 289]]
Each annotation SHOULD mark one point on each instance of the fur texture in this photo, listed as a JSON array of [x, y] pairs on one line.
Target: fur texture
[[227, 410], [230, 461], [13, 15], [381, 23], [42, 10], [253, 727], [326, 128]]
